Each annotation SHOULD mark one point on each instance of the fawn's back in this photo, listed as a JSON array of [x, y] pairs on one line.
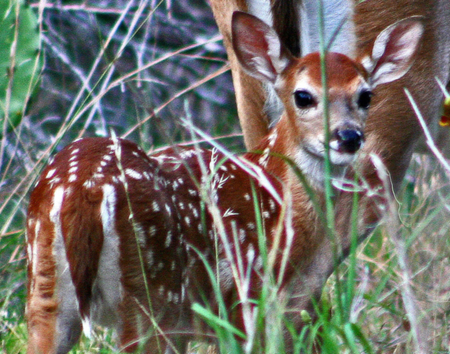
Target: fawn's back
[[106, 201]]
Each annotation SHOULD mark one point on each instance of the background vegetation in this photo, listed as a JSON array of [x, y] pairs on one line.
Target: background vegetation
[[137, 67]]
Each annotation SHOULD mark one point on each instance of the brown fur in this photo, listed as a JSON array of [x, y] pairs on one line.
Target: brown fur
[[250, 95]]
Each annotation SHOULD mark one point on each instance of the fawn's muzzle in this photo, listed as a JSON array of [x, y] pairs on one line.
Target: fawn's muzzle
[[349, 140]]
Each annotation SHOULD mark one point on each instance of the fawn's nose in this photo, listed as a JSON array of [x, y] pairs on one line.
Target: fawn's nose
[[349, 140]]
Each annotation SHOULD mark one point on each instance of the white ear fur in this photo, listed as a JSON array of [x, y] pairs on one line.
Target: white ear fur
[[393, 51], [258, 47]]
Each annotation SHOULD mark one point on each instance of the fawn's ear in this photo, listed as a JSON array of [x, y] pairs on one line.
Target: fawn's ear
[[258, 47], [393, 51]]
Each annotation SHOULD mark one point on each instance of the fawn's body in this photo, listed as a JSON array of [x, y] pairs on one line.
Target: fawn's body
[[125, 240], [172, 226]]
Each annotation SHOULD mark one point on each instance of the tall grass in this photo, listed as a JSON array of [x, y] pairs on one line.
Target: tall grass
[[381, 296]]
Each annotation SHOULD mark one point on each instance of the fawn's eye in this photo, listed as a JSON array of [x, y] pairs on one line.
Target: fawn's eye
[[303, 99], [364, 99]]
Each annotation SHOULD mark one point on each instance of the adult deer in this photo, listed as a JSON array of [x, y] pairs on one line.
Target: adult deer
[[123, 239]]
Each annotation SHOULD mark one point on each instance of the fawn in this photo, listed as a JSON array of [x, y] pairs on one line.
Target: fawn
[[125, 240]]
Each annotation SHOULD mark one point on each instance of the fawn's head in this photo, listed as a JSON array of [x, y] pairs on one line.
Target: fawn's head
[[298, 83]]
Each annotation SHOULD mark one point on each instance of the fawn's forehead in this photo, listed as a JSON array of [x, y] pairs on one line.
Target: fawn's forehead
[[342, 72]]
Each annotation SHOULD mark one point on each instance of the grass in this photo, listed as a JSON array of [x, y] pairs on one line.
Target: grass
[[389, 296]]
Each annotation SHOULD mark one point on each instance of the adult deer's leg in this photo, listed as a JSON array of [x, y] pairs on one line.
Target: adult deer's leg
[[250, 93]]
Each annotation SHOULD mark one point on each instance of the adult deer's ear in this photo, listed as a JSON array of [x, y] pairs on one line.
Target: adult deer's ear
[[258, 47], [393, 51]]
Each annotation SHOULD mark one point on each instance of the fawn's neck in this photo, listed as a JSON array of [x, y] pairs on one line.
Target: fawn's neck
[[283, 145]]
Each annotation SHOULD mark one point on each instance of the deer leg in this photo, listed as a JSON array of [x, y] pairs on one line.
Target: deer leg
[[54, 322]]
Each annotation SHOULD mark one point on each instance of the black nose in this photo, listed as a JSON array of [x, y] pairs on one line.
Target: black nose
[[349, 140]]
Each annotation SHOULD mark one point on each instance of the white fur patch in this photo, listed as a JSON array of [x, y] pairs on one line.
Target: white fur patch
[[133, 174], [107, 285], [68, 309], [50, 173]]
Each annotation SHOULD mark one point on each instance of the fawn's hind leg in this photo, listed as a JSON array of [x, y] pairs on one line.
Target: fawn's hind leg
[[54, 321]]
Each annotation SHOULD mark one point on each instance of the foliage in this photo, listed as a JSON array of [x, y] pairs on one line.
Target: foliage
[[20, 62]]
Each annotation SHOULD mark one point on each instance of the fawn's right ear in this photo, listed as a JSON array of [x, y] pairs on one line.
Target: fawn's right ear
[[258, 47]]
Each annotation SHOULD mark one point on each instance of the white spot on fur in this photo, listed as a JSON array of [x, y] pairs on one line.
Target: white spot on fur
[[250, 253], [272, 205], [50, 173], [133, 174], [187, 153], [264, 159], [272, 138], [87, 330], [72, 178], [88, 183], [168, 239], [192, 192]]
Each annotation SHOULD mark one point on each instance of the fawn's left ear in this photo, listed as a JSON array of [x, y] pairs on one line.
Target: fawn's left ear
[[393, 51], [257, 47]]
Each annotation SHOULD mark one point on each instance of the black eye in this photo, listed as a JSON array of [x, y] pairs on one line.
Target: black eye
[[303, 99], [364, 99]]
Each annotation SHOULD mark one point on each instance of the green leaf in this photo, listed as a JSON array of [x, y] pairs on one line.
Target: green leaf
[[20, 62]]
